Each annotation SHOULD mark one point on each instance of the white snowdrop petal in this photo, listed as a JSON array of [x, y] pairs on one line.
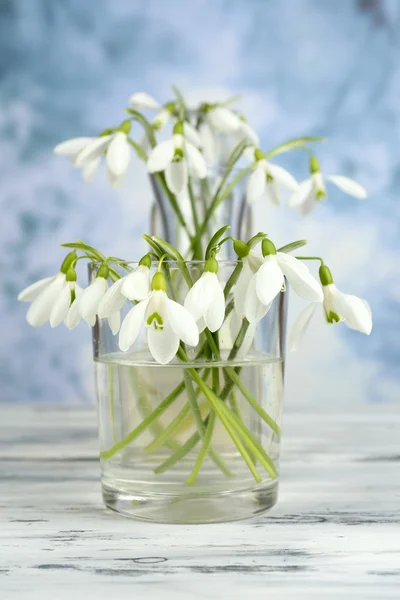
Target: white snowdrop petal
[[73, 146], [215, 313], [131, 325], [89, 170], [196, 301], [93, 150], [182, 322], [240, 290], [269, 280], [40, 309], [176, 176], [73, 316], [283, 176], [303, 192], [143, 101], [300, 326], [272, 192], [91, 297], [349, 186], [137, 285], [256, 184], [60, 307], [301, 280], [118, 154], [161, 156], [163, 343], [224, 119], [191, 134], [31, 292], [114, 322], [197, 161], [115, 182], [210, 143], [249, 134], [254, 310], [355, 311], [113, 300]]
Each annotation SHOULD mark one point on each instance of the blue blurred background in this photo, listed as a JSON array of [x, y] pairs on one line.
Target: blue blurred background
[[303, 67]]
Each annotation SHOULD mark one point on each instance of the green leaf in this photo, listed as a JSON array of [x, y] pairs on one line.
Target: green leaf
[[215, 239], [256, 239], [181, 101], [293, 144], [79, 245], [146, 125], [156, 247], [175, 255], [230, 100], [138, 149], [292, 246], [237, 153]]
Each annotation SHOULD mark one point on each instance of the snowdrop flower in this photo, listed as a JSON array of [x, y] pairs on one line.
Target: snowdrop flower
[[86, 153], [229, 332], [89, 301], [169, 156], [337, 307], [166, 322], [312, 190], [205, 300], [252, 260], [143, 101], [267, 179], [268, 281], [45, 295], [218, 119]]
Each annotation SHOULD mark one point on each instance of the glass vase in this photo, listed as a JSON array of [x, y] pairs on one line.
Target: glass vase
[[196, 441]]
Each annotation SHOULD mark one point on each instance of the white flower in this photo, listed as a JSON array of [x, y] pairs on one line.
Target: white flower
[[143, 101], [337, 307], [312, 190], [169, 156], [137, 285], [88, 303], [43, 294], [268, 281], [251, 263], [219, 119], [166, 322], [229, 332], [87, 152], [205, 300], [267, 179]]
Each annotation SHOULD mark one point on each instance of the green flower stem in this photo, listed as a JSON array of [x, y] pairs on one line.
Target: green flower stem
[[204, 449], [173, 202], [180, 453], [169, 431], [196, 241], [234, 404], [112, 401], [106, 454]]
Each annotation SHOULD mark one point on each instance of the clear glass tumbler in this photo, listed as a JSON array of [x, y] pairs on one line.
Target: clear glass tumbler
[[197, 441]]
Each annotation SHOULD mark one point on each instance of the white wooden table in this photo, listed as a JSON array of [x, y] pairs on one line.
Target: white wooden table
[[334, 534]]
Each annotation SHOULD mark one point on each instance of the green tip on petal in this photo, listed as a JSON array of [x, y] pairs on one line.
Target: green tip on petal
[[332, 317], [67, 262], [71, 274], [145, 261], [241, 248], [104, 271], [125, 127], [258, 155], [314, 165], [159, 283], [325, 275], [178, 128], [211, 266], [268, 248]]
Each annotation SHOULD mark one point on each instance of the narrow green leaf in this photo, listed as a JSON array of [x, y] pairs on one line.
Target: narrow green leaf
[[256, 239], [292, 246], [215, 239], [138, 149], [157, 249], [293, 144], [146, 125]]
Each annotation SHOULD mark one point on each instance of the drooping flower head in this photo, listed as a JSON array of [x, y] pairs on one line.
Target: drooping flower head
[[267, 179], [205, 300], [313, 189], [166, 323]]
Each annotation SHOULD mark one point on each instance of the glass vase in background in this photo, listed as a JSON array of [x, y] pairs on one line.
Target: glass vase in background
[[167, 454]]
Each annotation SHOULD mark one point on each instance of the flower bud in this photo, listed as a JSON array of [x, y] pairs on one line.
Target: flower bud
[[103, 271], [314, 165], [71, 274], [241, 248], [178, 128], [268, 248], [125, 126], [258, 155], [211, 266], [170, 107], [145, 261], [67, 262], [158, 282], [325, 275]]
